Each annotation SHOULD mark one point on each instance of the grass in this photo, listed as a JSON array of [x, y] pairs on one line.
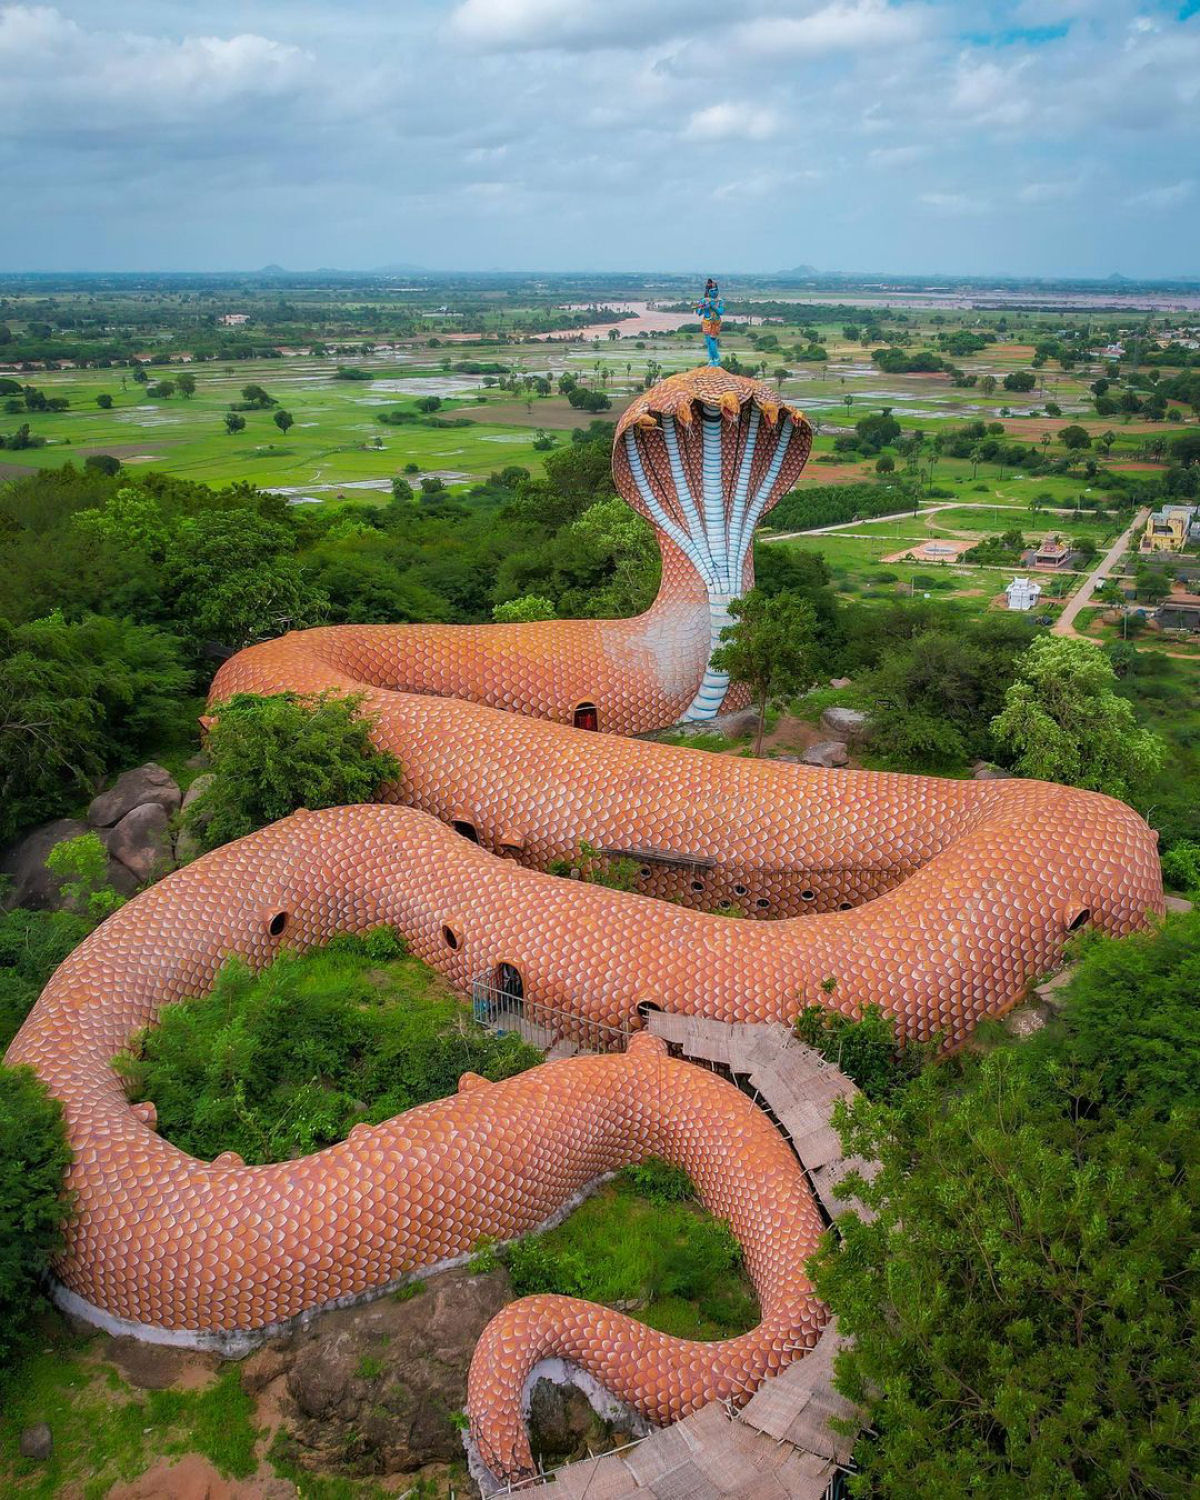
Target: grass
[[333, 441], [106, 1431], [644, 1244]]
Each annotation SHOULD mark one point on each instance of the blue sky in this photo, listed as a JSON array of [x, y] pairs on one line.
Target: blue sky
[[1056, 137]]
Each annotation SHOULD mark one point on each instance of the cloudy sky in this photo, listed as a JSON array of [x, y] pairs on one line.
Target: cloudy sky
[[1020, 136]]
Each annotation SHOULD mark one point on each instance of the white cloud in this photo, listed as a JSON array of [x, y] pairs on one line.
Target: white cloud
[[46, 57], [1048, 192], [538, 25], [843, 26], [764, 184], [954, 204], [732, 122], [896, 156], [988, 94], [1170, 196]]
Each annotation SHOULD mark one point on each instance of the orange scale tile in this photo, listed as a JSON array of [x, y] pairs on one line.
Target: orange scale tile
[[991, 873]]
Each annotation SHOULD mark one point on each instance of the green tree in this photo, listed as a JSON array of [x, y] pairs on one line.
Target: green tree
[[1075, 437], [284, 420], [75, 700], [186, 385], [935, 694], [770, 648], [1181, 867], [1023, 1308], [234, 423], [1020, 380], [81, 864], [256, 396], [528, 607], [272, 755], [1062, 721], [104, 401], [34, 1157]]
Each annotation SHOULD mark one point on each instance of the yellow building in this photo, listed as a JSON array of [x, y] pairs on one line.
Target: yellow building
[[1167, 529]]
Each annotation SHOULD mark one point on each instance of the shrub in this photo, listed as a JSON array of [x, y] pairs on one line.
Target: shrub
[[34, 1157], [272, 755], [866, 1051], [284, 1062]]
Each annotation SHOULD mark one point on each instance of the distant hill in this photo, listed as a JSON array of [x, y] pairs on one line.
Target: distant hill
[[800, 271]]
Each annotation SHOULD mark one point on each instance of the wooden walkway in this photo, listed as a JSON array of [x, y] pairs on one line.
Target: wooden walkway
[[780, 1445]]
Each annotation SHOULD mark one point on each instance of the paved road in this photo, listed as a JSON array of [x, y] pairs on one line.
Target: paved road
[[1065, 624], [925, 511]]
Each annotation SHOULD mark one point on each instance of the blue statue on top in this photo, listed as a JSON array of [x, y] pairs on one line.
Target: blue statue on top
[[710, 312]]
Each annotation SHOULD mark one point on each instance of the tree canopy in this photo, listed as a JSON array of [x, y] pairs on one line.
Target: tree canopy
[[272, 755], [1024, 1307], [1062, 721]]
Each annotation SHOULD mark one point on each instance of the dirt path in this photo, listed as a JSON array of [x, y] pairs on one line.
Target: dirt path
[[1065, 624]]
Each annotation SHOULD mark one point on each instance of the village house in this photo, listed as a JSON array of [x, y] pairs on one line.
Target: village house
[[1169, 529]]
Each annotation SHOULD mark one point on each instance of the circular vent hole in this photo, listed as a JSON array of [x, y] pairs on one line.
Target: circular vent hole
[[451, 938], [808, 895], [844, 905], [697, 885], [762, 903], [644, 872], [277, 923], [739, 890]]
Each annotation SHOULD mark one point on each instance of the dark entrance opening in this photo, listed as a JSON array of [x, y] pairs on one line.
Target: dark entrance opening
[[467, 830], [509, 983], [586, 716]]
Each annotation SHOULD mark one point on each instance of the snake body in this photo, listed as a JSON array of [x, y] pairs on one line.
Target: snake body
[[936, 900]]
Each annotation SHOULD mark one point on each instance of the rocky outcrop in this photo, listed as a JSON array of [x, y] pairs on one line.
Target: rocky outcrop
[[142, 841], [24, 862], [148, 785], [826, 753], [982, 771], [375, 1389], [197, 789], [846, 724]]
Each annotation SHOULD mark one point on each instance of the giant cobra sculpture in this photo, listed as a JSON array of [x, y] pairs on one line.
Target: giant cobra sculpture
[[935, 900]]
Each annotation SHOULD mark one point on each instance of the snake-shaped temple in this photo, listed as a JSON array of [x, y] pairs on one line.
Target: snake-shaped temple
[[935, 900]]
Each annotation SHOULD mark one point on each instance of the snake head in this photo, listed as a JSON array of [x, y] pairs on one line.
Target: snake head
[[703, 456]]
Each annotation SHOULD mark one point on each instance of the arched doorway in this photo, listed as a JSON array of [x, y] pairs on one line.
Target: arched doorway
[[586, 716], [507, 981], [465, 829]]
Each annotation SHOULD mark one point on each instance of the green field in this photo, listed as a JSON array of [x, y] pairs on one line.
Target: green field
[[338, 444]]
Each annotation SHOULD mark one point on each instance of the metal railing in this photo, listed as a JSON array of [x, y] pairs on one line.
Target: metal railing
[[542, 1024]]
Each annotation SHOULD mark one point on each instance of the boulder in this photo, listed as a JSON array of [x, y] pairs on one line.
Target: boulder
[[846, 724], [37, 1442], [371, 1389], [147, 785], [24, 862], [142, 841], [984, 772], [197, 789], [826, 753], [562, 1425], [734, 726], [839, 682]]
